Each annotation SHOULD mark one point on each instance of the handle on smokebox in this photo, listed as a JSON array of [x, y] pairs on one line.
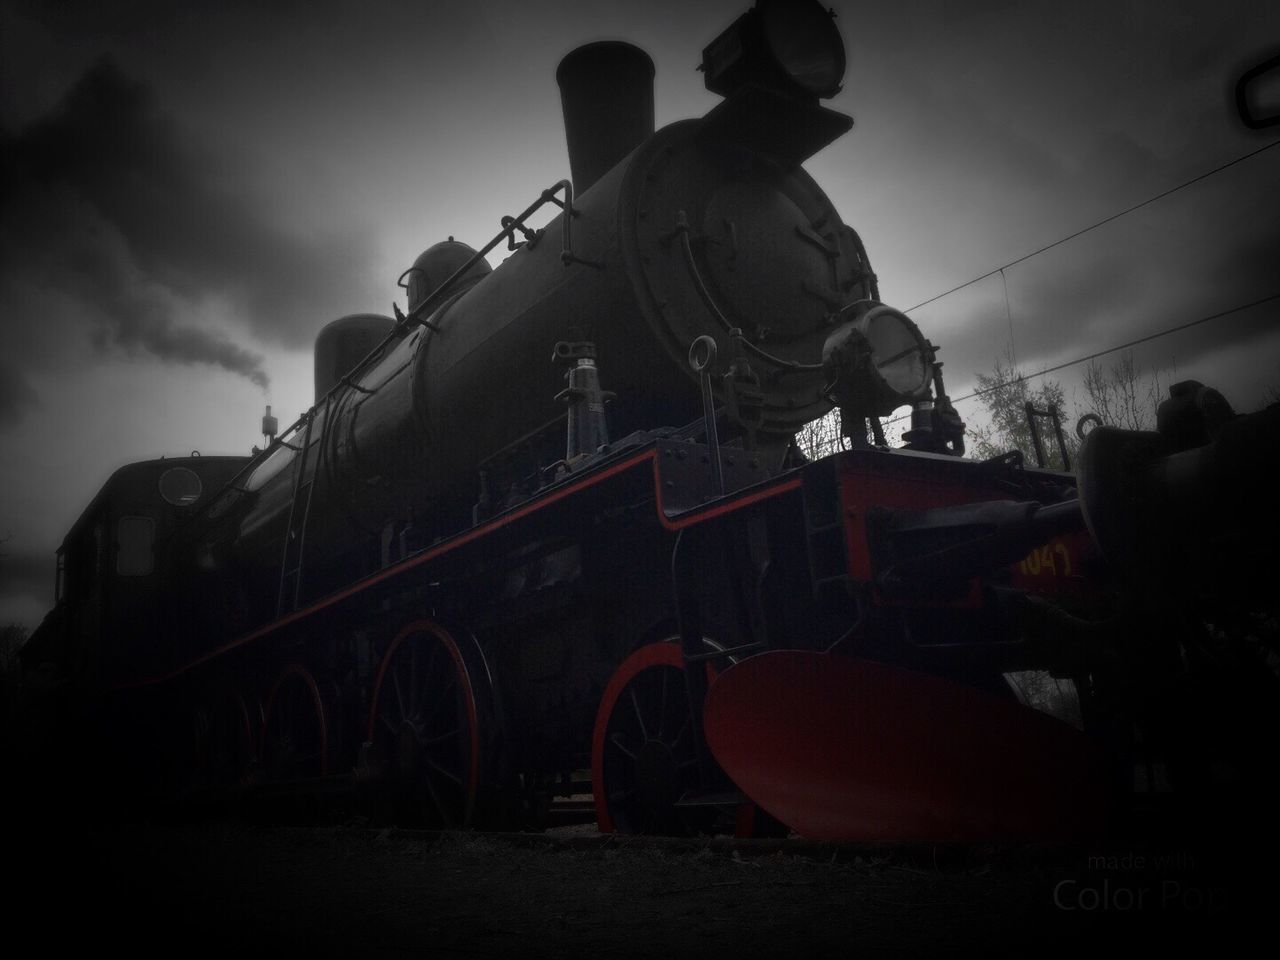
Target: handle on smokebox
[[702, 354]]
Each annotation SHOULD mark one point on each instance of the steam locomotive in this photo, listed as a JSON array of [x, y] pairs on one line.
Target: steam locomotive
[[552, 519]]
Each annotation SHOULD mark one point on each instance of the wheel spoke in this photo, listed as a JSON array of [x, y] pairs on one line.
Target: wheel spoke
[[395, 679], [680, 736], [616, 740], [415, 684], [440, 806], [662, 705], [445, 699], [416, 726], [425, 679], [442, 771], [429, 741], [635, 703]]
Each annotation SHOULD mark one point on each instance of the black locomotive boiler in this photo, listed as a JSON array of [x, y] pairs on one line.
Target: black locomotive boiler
[[551, 518]]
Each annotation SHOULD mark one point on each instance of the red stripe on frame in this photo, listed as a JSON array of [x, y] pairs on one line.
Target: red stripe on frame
[[691, 518]]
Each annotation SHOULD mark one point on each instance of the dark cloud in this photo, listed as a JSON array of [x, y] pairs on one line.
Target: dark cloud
[[24, 571], [110, 205], [1253, 258], [93, 18], [1048, 313], [185, 220], [16, 395], [84, 259]]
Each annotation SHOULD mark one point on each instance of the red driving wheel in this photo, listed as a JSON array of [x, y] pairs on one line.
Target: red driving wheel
[[295, 742], [425, 726], [643, 755]]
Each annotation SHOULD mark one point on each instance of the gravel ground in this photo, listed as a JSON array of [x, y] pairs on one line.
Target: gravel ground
[[223, 886]]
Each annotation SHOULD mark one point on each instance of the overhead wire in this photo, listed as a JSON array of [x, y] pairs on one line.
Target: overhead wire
[[1049, 246], [1094, 226], [1102, 353], [1008, 312]]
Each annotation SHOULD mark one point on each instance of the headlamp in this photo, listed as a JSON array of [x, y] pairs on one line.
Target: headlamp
[[877, 361], [787, 45]]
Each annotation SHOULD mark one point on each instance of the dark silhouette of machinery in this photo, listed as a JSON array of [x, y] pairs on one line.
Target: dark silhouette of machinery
[[551, 518]]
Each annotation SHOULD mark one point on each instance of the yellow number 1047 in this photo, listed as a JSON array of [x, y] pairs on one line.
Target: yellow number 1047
[[1051, 559]]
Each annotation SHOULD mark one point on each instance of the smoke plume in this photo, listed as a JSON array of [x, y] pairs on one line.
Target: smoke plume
[[119, 227]]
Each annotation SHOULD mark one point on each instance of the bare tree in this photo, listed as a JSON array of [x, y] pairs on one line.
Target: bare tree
[[1122, 394], [1005, 392], [821, 437]]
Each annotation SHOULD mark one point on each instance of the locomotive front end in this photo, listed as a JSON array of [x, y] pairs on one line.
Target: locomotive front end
[[706, 228]]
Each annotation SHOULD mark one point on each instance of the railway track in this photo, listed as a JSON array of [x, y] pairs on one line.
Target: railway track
[[355, 889]]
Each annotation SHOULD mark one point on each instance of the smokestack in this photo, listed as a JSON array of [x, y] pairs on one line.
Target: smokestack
[[606, 91]]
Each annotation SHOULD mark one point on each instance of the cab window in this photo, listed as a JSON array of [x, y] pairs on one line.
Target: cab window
[[180, 486]]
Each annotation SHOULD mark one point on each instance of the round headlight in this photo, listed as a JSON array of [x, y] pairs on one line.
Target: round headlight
[[898, 351], [789, 46], [805, 43], [877, 361]]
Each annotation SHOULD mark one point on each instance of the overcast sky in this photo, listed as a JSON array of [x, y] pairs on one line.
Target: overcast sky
[[191, 190]]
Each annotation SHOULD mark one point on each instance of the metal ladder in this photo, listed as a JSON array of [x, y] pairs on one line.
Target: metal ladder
[[1053, 416], [296, 533]]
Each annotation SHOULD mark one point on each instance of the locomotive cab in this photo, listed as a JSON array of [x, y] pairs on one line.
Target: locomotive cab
[[113, 568]]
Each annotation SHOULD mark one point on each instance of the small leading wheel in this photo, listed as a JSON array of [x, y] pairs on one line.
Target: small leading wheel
[[425, 725], [643, 756], [295, 738]]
